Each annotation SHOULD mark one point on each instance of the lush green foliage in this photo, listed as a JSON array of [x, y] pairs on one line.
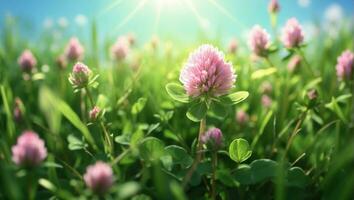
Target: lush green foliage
[[294, 149]]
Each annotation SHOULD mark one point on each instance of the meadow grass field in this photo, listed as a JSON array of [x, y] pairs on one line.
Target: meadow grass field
[[162, 120]]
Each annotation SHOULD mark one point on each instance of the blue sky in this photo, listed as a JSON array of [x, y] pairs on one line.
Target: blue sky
[[182, 20]]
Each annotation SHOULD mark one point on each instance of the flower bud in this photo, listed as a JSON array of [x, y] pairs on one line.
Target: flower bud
[[266, 101], [345, 64], [61, 62], [273, 6], [80, 75], [259, 40], [18, 110], [242, 117], [27, 61], [74, 50], [294, 63], [312, 94], [213, 138], [233, 46], [94, 113], [266, 87], [292, 35], [120, 49], [99, 177], [29, 150]]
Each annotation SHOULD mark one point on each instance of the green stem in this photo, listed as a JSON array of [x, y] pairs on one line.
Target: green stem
[[301, 53], [269, 61], [295, 131], [214, 161], [105, 132], [199, 153], [121, 156]]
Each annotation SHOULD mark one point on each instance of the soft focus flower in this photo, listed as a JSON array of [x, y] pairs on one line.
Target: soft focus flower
[[266, 101], [266, 87], [81, 20], [242, 117], [121, 48], [94, 113], [213, 138], [154, 42], [74, 50], [18, 110], [292, 35], [259, 40], [233, 46], [80, 75], [273, 6], [61, 62], [27, 61], [207, 72], [99, 177], [131, 38], [345, 64], [312, 94], [294, 63], [29, 150]]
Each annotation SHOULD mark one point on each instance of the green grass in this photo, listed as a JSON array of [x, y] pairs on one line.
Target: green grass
[[154, 142]]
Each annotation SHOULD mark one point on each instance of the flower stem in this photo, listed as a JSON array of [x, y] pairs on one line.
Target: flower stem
[[103, 127], [269, 61], [199, 153], [214, 161], [295, 131], [301, 53]]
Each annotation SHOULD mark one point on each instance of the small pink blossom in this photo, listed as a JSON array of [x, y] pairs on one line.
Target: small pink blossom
[[233, 46], [259, 40], [99, 177], [121, 48], [266, 101], [27, 61], [80, 75], [29, 150], [266, 87], [213, 137], [292, 35], [242, 117], [207, 73], [345, 64], [61, 62], [312, 94], [294, 63], [273, 6], [74, 50], [94, 113]]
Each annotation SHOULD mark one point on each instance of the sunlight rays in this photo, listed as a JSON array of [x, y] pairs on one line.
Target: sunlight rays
[[226, 13], [131, 14]]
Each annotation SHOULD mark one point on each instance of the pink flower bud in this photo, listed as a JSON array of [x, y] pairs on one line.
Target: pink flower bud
[[61, 62], [312, 94], [120, 49], [259, 40], [294, 63], [94, 113], [207, 72], [99, 177], [345, 64], [273, 6], [80, 75], [266, 101], [213, 138], [292, 35], [74, 50], [29, 150], [18, 111], [266, 87], [242, 117], [27, 61], [233, 46], [131, 39]]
